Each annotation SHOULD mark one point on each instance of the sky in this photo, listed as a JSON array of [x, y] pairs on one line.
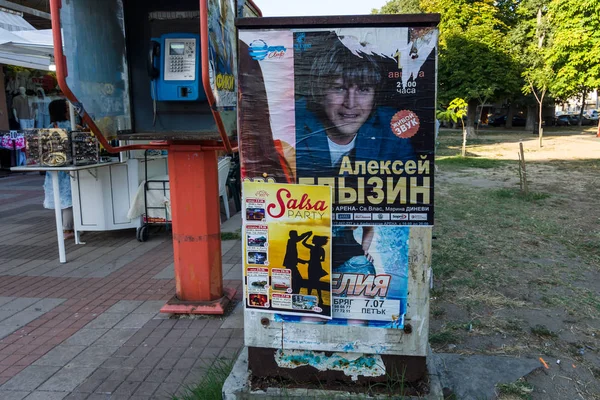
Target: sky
[[279, 8]]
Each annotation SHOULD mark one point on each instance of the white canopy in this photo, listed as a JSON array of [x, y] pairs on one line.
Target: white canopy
[[30, 49]]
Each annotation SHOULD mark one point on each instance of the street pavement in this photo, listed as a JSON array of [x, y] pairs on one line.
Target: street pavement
[[91, 328]]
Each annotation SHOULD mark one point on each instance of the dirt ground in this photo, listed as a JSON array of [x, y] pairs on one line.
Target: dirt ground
[[520, 275]]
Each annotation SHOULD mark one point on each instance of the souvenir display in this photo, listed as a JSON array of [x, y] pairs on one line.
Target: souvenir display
[[55, 147], [85, 148]]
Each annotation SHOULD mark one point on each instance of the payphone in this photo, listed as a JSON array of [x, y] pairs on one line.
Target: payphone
[[174, 68]]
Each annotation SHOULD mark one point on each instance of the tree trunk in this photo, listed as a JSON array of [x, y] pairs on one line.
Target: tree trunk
[[509, 115], [530, 124], [583, 96], [540, 129], [471, 115], [463, 151]]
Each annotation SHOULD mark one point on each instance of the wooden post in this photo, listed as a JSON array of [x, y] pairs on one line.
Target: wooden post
[[523, 170]]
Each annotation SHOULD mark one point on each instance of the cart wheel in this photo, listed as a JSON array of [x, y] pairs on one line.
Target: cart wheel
[[143, 233]]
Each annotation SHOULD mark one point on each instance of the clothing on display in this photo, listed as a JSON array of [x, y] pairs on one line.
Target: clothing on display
[[21, 106], [40, 105]]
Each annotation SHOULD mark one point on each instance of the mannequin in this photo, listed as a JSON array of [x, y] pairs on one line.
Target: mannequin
[[21, 110], [40, 106]]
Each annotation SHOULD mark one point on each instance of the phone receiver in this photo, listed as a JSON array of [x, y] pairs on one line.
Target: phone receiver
[[153, 53]]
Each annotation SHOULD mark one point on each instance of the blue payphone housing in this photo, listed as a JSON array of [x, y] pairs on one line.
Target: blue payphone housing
[[174, 68]]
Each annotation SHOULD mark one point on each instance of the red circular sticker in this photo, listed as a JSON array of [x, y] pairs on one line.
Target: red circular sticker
[[405, 124]]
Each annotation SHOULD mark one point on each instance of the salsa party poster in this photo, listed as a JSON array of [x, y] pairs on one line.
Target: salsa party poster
[[287, 249]]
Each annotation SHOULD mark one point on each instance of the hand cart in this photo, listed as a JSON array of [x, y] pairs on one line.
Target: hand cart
[[157, 210]]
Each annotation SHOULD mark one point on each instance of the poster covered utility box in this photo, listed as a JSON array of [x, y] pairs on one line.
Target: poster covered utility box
[[345, 104]]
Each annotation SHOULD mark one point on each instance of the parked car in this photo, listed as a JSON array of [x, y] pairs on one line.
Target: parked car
[[501, 121], [562, 120], [574, 119]]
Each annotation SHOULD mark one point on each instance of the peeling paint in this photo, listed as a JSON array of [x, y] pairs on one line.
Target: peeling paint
[[351, 364]]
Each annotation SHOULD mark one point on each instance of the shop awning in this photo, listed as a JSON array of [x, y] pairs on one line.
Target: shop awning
[[30, 49], [14, 22]]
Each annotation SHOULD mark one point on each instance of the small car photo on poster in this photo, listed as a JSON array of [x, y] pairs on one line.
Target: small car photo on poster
[[258, 300], [255, 214], [256, 240], [257, 257]]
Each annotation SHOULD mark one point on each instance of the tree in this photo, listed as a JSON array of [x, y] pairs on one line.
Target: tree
[[399, 7], [475, 62], [574, 47], [457, 109], [530, 38]]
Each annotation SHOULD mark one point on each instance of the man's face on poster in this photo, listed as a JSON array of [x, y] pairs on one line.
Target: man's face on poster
[[348, 106]]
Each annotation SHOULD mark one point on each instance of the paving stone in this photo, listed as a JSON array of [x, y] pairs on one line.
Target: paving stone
[[40, 395], [4, 300], [16, 395], [101, 374], [98, 396], [139, 374], [146, 389], [67, 379], [150, 307], [158, 375], [7, 330], [89, 385], [124, 306], [30, 378], [105, 320], [167, 389], [126, 389], [185, 363], [77, 396], [31, 313], [177, 375], [115, 337], [19, 304], [108, 386], [85, 337], [134, 321], [93, 356], [60, 355]]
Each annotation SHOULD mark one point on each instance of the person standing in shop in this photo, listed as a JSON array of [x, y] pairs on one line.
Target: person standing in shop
[[59, 117]]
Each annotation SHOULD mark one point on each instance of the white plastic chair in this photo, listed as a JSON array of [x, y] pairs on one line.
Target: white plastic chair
[[224, 166]]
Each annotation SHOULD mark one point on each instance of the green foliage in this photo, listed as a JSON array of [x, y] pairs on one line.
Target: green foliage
[[231, 236], [470, 162], [517, 194], [575, 46], [211, 385], [475, 62], [457, 109], [399, 7], [520, 389]]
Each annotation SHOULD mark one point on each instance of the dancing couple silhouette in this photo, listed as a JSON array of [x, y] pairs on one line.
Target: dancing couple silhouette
[[315, 268]]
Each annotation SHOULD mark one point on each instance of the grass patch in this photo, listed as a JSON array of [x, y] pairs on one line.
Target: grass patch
[[470, 162], [231, 236], [211, 385], [443, 337], [543, 331], [493, 300], [517, 194], [520, 389]]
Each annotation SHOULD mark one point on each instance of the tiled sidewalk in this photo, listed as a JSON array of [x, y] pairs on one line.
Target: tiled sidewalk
[[90, 329]]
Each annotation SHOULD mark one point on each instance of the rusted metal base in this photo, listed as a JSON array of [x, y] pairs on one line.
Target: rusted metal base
[[215, 307], [261, 361]]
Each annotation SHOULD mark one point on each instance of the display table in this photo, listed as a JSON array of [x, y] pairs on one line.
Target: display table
[[102, 194]]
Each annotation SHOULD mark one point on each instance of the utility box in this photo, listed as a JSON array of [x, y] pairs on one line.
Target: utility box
[[152, 69], [348, 103]]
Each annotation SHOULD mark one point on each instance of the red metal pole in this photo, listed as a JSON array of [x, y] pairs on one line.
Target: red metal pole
[[195, 212]]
